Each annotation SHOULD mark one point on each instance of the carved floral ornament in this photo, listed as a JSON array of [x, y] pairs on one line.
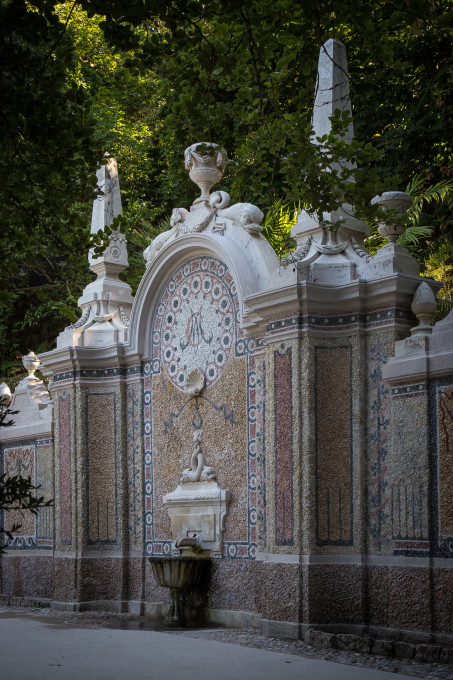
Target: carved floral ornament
[[206, 163]]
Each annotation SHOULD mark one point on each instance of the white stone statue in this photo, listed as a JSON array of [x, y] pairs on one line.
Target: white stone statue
[[246, 214], [198, 470]]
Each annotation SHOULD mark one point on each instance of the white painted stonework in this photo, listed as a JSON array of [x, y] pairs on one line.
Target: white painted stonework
[[106, 302], [197, 507], [32, 400]]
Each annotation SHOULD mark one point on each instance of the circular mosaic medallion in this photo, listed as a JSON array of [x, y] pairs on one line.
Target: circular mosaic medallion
[[196, 320]]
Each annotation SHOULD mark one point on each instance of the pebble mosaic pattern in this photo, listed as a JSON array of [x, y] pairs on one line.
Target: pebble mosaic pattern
[[64, 446], [260, 380], [195, 324], [284, 510], [101, 452], [445, 444], [333, 433], [378, 397], [134, 426], [20, 461]]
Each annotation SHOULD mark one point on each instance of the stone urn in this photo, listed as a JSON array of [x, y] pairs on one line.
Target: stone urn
[[392, 200], [178, 574], [31, 363], [206, 163]]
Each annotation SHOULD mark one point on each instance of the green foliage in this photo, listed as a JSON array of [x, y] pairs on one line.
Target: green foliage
[[143, 80], [277, 227], [138, 240]]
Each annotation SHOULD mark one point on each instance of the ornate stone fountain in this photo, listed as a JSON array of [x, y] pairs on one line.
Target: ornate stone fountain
[[197, 509]]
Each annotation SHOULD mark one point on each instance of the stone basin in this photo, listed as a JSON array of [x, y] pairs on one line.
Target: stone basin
[[177, 574]]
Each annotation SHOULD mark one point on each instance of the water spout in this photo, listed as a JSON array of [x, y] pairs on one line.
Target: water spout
[[188, 542]]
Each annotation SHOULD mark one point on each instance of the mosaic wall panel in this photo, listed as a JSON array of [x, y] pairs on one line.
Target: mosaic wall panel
[[196, 326], [260, 449], [283, 440], [445, 445], [64, 448], [408, 471], [441, 438], [380, 348], [134, 464], [333, 445], [101, 457], [45, 530], [19, 458]]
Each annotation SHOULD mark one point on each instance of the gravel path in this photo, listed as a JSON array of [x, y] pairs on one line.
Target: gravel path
[[248, 638]]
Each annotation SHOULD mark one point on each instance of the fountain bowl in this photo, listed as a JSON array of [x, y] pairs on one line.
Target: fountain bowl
[[178, 574]]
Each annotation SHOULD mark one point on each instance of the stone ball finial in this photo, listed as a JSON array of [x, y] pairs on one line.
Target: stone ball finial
[[392, 200], [423, 306]]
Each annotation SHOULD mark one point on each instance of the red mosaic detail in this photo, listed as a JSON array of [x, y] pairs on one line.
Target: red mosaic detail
[[198, 321], [284, 512], [65, 468]]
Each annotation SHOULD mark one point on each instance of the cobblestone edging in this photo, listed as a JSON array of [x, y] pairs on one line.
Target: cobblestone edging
[[363, 644]]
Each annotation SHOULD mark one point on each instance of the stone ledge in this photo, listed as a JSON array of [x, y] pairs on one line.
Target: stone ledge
[[32, 602], [364, 644]]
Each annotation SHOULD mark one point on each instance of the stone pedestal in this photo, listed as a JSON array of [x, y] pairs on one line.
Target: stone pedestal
[[198, 510]]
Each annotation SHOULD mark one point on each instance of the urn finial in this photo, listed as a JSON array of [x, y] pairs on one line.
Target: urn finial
[[206, 163]]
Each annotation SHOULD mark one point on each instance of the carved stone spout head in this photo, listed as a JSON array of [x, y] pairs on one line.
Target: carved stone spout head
[[206, 163]]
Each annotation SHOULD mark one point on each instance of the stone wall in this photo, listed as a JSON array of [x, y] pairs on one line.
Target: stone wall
[[326, 421]]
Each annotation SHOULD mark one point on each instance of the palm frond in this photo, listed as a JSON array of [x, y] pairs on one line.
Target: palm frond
[[277, 226]]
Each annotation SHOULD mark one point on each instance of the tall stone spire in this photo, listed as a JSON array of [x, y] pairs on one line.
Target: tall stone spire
[[332, 89], [330, 251], [106, 302], [106, 207]]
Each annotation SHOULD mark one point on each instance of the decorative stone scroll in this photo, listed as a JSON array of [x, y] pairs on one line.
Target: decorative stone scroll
[[209, 212]]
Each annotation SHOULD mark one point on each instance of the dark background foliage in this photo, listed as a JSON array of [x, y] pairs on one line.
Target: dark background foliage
[[144, 79]]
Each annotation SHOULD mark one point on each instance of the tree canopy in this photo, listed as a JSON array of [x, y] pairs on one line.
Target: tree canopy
[[144, 79]]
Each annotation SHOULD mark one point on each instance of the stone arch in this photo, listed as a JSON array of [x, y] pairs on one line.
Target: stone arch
[[226, 409], [251, 269]]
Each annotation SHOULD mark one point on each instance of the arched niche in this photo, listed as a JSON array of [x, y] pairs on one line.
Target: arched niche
[[227, 408]]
